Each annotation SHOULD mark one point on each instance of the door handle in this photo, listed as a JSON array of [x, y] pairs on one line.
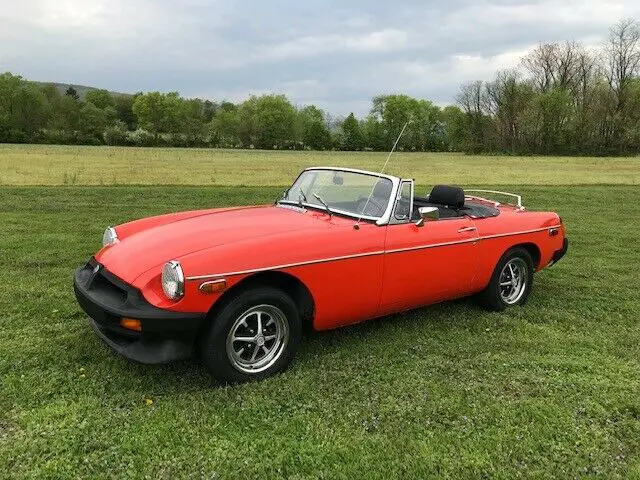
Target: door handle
[[466, 229]]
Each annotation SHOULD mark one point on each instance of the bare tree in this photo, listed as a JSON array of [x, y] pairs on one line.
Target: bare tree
[[623, 57], [507, 99], [471, 97], [540, 63], [473, 100], [557, 65]]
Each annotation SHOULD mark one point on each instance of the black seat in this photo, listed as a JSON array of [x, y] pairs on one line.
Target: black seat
[[449, 201], [448, 196]]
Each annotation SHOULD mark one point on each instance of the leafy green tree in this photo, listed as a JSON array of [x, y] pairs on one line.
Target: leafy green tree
[[372, 133], [100, 98], [23, 109], [208, 110], [93, 121], [116, 133], [246, 122], [224, 126], [192, 122], [71, 92], [65, 116], [124, 109], [454, 125], [351, 134], [158, 113], [312, 126], [274, 122]]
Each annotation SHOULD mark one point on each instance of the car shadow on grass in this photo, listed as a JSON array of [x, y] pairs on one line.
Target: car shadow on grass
[[120, 374]]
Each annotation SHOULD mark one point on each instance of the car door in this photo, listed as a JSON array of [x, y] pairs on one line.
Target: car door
[[429, 263]]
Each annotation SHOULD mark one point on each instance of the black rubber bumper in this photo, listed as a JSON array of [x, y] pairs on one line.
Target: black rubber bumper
[[558, 254], [165, 336]]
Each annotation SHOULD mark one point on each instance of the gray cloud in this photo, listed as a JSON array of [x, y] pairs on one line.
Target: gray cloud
[[336, 54]]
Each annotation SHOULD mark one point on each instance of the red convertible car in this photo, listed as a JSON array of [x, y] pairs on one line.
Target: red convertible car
[[236, 286]]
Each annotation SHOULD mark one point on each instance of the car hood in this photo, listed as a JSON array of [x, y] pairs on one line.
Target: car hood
[[153, 246]]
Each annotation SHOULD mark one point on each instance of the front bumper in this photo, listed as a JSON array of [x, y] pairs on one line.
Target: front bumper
[[165, 336], [558, 254]]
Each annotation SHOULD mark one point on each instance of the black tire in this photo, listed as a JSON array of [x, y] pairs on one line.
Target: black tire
[[491, 297], [227, 368]]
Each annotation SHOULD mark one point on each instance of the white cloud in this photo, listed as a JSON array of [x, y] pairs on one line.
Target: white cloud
[[334, 53], [370, 42]]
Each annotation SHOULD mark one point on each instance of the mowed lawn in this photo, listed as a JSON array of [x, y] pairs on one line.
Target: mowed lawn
[[551, 390]]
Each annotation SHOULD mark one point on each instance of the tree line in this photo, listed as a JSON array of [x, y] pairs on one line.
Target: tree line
[[564, 99], [37, 113]]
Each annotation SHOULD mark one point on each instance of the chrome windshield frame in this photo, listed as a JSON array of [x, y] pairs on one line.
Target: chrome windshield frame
[[382, 220]]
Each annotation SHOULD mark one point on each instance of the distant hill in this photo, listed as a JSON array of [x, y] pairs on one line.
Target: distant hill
[[80, 89]]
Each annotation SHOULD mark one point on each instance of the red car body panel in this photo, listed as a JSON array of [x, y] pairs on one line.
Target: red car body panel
[[351, 274]]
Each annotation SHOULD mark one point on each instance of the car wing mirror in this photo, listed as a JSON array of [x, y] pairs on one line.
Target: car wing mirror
[[427, 214]]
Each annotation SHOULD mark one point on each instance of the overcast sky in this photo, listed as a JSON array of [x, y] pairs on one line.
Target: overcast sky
[[334, 53]]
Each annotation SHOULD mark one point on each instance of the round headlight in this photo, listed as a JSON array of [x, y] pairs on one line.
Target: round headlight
[[109, 237], [173, 280]]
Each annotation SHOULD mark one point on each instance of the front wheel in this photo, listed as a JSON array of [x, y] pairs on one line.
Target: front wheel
[[511, 281], [255, 335]]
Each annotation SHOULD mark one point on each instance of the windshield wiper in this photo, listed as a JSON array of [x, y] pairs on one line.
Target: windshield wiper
[[283, 195], [304, 197], [323, 203]]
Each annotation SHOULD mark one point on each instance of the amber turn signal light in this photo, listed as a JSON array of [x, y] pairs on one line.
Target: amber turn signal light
[[131, 324], [213, 286]]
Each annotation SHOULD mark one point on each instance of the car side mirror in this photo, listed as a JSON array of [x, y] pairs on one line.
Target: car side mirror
[[427, 214]]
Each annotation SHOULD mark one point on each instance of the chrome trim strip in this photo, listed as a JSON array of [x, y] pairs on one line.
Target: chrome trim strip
[[433, 245], [518, 233], [287, 265], [517, 197], [368, 254]]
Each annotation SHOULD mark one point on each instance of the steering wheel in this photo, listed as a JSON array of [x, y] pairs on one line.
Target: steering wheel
[[377, 208]]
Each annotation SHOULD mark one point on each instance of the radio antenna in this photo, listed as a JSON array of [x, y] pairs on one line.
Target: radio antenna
[[356, 226]]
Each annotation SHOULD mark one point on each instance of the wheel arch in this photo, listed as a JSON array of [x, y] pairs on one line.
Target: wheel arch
[[286, 282], [533, 250]]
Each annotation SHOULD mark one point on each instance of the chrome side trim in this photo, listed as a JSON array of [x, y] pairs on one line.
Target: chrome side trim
[[368, 254], [286, 265], [433, 245], [498, 235]]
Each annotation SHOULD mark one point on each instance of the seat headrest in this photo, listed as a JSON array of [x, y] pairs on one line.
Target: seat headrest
[[447, 195], [383, 189]]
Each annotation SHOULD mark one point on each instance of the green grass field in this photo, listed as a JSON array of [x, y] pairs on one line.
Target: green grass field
[[551, 390], [70, 165]]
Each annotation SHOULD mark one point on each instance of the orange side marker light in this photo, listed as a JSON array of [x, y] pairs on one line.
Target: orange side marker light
[[213, 286], [131, 324]]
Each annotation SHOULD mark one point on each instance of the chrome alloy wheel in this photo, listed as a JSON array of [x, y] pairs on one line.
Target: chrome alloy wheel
[[513, 280], [257, 339]]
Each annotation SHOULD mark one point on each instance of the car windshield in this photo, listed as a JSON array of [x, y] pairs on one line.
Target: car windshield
[[342, 191]]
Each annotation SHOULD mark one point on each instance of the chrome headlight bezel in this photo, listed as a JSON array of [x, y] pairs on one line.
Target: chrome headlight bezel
[[172, 280], [109, 237]]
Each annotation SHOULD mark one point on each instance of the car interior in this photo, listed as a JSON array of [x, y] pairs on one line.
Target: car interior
[[451, 203], [449, 200]]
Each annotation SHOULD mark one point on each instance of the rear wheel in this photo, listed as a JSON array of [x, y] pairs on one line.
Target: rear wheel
[[511, 281], [255, 335]]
